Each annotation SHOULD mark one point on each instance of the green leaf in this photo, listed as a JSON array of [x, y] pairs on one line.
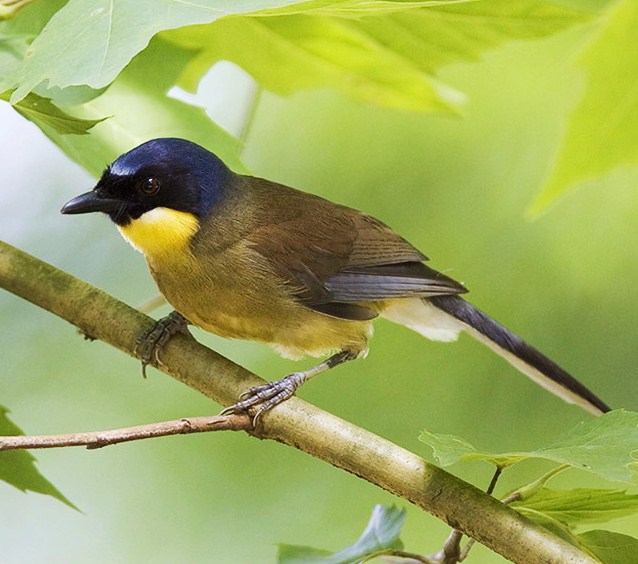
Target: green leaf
[[603, 446], [449, 449], [140, 110], [297, 554], [602, 131], [88, 42], [17, 33], [17, 467], [386, 57], [45, 114], [557, 527], [389, 57], [9, 8], [11, 48], [579, 506], [609, 547], [302, 52], [355, 7], [381, 536]]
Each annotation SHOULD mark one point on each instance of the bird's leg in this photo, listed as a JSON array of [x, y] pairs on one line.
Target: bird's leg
[[269, 395], [151, 342]]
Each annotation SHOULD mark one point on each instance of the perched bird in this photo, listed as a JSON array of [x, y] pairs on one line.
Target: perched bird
[[247, 258]]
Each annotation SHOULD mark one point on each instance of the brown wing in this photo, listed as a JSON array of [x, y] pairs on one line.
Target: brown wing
[[333, 257]]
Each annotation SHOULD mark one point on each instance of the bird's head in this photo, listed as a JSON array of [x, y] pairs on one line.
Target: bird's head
[[157, 193]]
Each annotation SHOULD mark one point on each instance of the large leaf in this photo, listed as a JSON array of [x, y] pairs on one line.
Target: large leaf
[[290, 53], [17, 467], [602, 133], [388, 58], [354, 7], [139, 110], [385, 60], [604, 446], [88, 42], [11, 48], [579, 506], [381, 536], [17, 33]]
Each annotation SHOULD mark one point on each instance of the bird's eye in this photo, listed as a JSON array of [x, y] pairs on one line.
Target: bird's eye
[[149, 186]]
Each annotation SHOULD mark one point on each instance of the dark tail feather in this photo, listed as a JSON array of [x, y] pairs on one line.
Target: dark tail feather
[[517, 352]]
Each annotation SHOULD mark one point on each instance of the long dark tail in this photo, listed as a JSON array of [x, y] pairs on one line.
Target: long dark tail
[[517, 352]]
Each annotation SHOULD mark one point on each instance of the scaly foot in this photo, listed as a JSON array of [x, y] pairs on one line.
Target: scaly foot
[[149, 344], [267, 395]]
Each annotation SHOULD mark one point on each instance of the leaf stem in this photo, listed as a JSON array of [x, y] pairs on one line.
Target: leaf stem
[[525, 491]]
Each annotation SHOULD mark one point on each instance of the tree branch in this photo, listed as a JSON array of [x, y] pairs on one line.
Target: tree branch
[[294, 422], [99, 439]]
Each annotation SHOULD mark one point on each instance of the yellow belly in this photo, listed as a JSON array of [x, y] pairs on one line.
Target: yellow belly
[[269, 317]]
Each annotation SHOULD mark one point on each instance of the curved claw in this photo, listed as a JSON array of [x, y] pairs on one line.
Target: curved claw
[[150, 343], [267, 395]]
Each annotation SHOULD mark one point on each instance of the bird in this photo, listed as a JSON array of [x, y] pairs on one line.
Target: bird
[[248, 258]]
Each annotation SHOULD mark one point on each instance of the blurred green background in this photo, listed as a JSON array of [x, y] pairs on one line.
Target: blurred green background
[[457, 188]]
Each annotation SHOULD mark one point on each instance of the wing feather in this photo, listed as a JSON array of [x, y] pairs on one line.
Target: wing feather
[[330, 255]]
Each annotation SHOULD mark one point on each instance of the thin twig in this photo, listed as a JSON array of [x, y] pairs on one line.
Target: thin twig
[[99, 439], [466, 549], [495, 477], [451, 548]]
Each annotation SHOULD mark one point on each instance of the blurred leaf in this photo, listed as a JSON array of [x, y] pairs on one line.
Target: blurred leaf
[[381, 535], [611, 548], [602, 131], [296, 554], [388, 60], [140, 110], [603, 446], [17, 467], [45, 113], [9, 8], [578, 506]]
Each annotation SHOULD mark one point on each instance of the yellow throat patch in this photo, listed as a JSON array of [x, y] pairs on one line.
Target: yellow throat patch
[[160, 231]]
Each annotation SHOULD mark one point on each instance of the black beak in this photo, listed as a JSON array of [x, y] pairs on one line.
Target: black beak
[[91, 202]]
